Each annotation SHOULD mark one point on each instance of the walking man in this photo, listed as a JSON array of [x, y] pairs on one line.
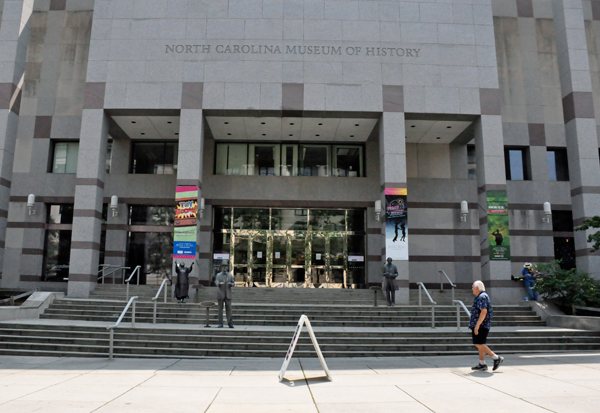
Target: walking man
[[390, 272], [224, 281], [481, 321]]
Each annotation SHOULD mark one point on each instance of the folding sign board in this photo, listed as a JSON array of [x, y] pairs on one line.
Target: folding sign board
[[303, 321]]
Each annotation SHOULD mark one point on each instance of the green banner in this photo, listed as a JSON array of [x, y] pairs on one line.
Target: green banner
[[498, 233]]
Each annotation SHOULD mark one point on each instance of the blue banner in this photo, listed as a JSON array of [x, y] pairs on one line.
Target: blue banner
[[181, 248]]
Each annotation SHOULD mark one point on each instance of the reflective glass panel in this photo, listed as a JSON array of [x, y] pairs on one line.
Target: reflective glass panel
[[265, 160], [259, 250], [298, 250], [289, 219], [232, 159], [336, 251], [313, 160], [280, 275], [328, 220], [151, 215], [154, 158], [57, 254], [60, 214], [153, 252], [222, 218], [279, 250], [318, 250], [65, 157], [250, 218], [356, 220], [347, 161], [240, 250]]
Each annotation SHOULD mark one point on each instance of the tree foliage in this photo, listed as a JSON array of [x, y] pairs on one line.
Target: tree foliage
[[594, 238], [567, 287]]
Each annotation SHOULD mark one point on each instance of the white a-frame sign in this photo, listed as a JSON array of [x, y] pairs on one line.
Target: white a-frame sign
[[303, 321]]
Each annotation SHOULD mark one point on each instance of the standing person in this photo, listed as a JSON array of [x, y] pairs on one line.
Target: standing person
[[224, 282], [529, 277], [390, 272], [481, 321]]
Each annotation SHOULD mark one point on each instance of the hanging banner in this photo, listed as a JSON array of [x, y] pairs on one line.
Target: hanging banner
[[497, 218], [396, 223], [186, 218]]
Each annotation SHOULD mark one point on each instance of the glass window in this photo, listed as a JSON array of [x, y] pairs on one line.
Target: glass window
[[356, 220], [222, 218], [289, 219], [327, 220], [516, 164], [60, 214], [108, 156], [472, 161], [250, 218], [158, 158], [313, 160], [264, 160], [347, 161], [232, 159], [558, 165], [562, 221], [153, 252], [151, 215], [57, 255], [64, 160], [289, 160]]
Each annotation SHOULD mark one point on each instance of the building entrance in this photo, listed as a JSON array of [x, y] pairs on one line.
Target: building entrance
[[269, 247]]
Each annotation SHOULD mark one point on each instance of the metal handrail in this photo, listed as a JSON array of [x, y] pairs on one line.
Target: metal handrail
[[579, 307], [11, 300], [111, 328], [115, 269], [136, 269], [442, 272], [155, 299], [459, 304], [422, 287]]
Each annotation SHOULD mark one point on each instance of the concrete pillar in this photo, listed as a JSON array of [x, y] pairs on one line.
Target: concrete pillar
[[14, 37], [580, 123], [491, 176], [392, 152], [189, 173], [87, 213]]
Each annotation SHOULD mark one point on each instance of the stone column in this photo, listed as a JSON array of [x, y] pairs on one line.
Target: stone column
[[89, 193], [392, 163], [189, 173], [491, 176], [580, 123], [14, 37]]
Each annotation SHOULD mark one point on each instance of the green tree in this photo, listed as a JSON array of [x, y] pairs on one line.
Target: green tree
[[567, 287], [594, 238]]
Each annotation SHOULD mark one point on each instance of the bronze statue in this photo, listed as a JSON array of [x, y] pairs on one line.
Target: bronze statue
[[224, 282], [390, 272], [183, 281]]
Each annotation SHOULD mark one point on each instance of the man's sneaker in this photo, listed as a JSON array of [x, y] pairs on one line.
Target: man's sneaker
[[497, 363], [480, 367]]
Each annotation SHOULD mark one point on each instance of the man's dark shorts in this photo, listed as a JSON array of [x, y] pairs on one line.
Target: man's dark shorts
[[481, 337]]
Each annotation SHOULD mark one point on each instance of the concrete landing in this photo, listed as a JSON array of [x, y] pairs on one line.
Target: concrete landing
[[524, 383]]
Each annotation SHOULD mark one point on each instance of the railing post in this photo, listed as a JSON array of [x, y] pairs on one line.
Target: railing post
[[432, 316], [127, 299], [457, 318], [166, 288], [133, 314], [154, 315], [453, 294], [110, 348], [420, 295]]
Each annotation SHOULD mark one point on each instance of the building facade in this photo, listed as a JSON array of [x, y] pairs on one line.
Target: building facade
[[321, 137]]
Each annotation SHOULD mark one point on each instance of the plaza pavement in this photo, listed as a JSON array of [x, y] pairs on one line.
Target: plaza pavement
[[552, 382]]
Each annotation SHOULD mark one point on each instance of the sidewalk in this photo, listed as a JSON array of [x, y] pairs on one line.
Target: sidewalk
[[562, 382]]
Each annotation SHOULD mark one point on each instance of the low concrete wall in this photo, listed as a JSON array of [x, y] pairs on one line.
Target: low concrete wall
[[556, 318], [30, 309]]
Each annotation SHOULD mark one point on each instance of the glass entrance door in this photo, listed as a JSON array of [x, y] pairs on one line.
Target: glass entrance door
[[292, 248]]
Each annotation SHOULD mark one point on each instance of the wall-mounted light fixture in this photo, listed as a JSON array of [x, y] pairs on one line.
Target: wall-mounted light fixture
[[547, 213], [114, 205], [464, 211], [378, 209], [31, 204], [202, 206]]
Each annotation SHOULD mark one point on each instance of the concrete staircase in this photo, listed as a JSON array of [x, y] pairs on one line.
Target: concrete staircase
[[258, 314], [92, 341], [346, 323]]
